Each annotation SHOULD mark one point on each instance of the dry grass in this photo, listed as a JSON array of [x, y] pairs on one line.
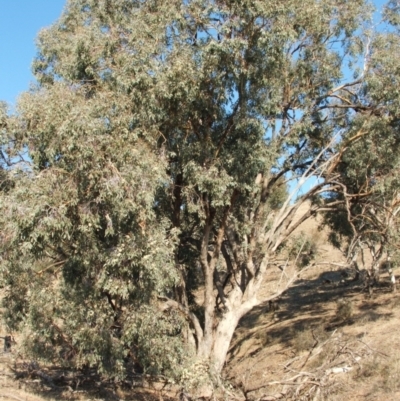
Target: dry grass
[[303, 340], [382, 372]]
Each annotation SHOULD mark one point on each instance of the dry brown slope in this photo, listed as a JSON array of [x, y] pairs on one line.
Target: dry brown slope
[[326, 322]]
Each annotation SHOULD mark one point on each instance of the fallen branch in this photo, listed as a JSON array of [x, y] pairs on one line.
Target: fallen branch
[[340, 356], [14, 397], [337, 370]]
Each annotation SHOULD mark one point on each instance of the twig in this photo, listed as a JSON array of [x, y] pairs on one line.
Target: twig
[[287, 364], [374, 350], [55, 264], [283, 272], [12, 396]]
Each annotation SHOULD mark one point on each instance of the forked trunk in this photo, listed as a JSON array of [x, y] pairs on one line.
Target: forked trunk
[[214, 347], [223, 333]]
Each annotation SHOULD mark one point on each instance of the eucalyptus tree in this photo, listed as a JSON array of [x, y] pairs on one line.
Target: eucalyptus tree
[[367, 197], [161, 134]]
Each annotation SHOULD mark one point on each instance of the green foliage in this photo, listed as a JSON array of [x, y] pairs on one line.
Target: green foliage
[[302, 250], [160, 135], [280, 193], [368, 169], [157, 340]]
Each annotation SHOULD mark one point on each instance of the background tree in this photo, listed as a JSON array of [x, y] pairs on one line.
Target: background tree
[[160, 134], [367, 182]]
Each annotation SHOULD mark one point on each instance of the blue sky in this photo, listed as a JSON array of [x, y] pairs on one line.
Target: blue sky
[[20, 21]]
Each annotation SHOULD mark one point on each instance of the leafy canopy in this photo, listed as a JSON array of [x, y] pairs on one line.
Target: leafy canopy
[[160, 137]]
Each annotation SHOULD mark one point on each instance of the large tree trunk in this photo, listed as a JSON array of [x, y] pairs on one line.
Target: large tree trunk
[[227, 326], [222, 340]]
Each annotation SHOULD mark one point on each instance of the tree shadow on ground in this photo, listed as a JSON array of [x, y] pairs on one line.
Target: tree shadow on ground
[[312, 305], [58, 384]]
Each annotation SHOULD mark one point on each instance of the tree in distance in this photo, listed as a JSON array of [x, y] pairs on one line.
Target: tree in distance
[[161, 138], [367, 198]]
